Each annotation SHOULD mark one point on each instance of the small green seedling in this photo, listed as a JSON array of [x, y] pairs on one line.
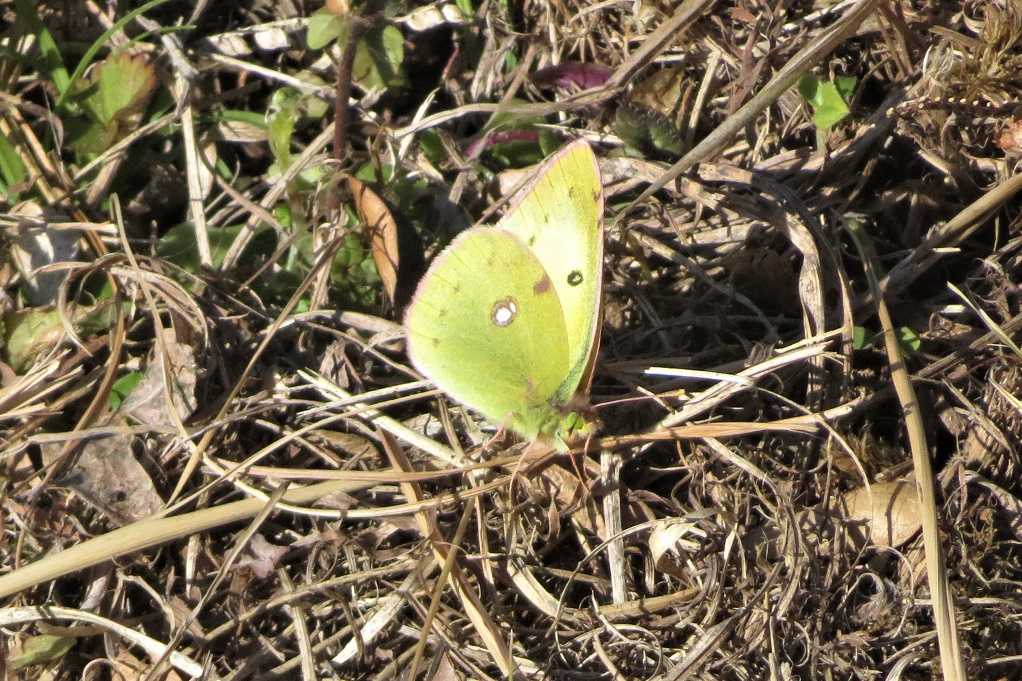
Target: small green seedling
[[829, 99], [122, 387], [908, 339], [379, 54]]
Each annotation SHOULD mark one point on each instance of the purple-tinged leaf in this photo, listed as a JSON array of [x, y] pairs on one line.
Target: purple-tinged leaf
[[573, 75], [476, 149]]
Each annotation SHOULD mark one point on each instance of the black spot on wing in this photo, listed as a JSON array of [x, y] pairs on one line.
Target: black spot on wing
[[575, 278]]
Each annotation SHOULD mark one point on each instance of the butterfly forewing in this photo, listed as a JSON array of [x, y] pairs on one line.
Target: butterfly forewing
[[487, 326]]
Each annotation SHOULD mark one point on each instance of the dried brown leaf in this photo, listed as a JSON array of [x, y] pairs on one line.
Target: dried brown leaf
[[381, 230], [147, 403], [264, 556], [889, 510], [106, 474]]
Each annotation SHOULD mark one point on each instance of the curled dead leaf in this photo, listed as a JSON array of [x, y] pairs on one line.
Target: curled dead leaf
[[1010, 137], [671, 542], [381, 230], [263, 556]]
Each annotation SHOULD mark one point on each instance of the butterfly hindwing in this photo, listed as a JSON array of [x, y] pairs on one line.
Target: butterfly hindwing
[[559, 216]]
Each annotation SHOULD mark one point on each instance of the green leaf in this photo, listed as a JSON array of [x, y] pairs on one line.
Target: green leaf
[[645, 130], [807, 87], [370, 174], [179, 247], [519, 153], [833, 108], [826, 99], [284, 215], [354, 273], [909, 340], [354, 281], [399, 190], [121, 86], [86, 59], [42, 649], [53, 63], [845, 86], [122, 387], [510, 62], [280, 124], [312, 106], [859, 338], [12, 171], [548, 141], [118, 91], [252, 118], [433, 147], [31, 331], [466, 7], [503, 120], [324, 28], [664, 135], [379, 59]]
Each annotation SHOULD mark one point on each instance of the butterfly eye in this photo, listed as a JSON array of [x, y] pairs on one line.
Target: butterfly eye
[[575, 278], [504, 312]]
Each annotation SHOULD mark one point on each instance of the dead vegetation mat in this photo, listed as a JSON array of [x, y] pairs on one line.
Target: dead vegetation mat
[[219, 463]]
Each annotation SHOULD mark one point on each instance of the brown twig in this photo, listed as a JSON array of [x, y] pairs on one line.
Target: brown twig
[[358, 27]]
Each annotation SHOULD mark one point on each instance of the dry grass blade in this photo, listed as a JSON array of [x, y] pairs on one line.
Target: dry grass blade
[[10, 617], [610, 476], [949, 234], [26, 395], [782, 81], [154, 532], [484, 626], [274, 194], [99, 400], [943, 603], [655, 42], [224, 569], [995, 328], [704, 648], [298, 614], [383, 616]]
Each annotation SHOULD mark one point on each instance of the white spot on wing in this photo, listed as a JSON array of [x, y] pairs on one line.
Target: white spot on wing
[[504, 311]]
